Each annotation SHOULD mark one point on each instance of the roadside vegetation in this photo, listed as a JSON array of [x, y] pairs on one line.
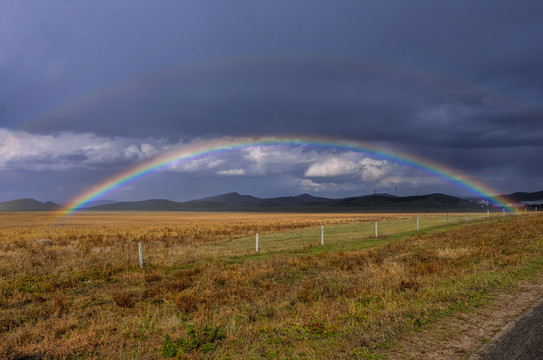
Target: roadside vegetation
[[74, 290]]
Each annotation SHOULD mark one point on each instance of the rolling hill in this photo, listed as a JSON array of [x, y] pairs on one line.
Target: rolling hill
[[305, 202], [28, 205], [229, 201], [518, 197]]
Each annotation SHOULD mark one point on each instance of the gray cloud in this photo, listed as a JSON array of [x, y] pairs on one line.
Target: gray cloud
[[460, 82]]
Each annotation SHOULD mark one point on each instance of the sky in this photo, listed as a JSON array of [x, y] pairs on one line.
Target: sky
[[90, 89]]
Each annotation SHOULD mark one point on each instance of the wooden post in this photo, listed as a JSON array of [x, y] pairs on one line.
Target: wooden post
[[418, 224], [257, 243], [376, 233], [487, 214], [300, 239], [447, 218], [140, 253], [503, 211]]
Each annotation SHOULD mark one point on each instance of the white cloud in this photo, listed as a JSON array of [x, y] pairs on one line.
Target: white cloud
[[334, 166], [145, 151], [310, 185], [254, 160], [215, 163], [255, 154], [368, 169], [66, 150], [374, 169], [276, 159], [131, 151], [231, 172], [197, 165]]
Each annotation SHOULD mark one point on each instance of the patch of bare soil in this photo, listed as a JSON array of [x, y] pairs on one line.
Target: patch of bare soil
[[459, 335]]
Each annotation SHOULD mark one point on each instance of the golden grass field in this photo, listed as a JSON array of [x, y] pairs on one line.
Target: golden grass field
[[72, 289]]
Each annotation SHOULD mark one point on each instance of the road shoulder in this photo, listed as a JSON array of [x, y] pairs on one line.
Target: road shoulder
[[459, 335]]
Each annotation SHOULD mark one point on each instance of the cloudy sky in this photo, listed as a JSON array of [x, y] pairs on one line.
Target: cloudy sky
[[91, 88]]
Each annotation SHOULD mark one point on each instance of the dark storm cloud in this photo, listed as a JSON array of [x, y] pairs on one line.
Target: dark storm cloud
[[307, 95], [441, 78]]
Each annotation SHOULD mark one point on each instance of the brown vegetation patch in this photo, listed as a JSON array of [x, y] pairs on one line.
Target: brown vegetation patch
[[187, 302], [124, 298], [215, 298]]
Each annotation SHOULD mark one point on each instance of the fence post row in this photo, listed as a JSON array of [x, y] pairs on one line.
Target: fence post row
[[322, 232]]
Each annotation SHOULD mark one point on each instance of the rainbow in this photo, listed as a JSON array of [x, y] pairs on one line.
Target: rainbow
[[207, 148]]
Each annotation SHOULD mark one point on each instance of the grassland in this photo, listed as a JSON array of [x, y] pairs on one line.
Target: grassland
[[74, 290]]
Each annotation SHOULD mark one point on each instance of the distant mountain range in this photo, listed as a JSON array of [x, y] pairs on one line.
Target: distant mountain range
[[519, 197], [305, 202], [28, 205], [224, 202]]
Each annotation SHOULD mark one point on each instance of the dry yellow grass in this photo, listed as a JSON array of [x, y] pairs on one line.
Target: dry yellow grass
[[84, 239], [80, 293]]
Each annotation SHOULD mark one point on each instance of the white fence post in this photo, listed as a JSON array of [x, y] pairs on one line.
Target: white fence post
[[257, 243], [322, 235], [140, 253], [376, 233], [487, 214]]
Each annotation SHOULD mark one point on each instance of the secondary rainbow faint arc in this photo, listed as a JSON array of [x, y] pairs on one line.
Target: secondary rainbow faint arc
[[207, 148], [90, 97]]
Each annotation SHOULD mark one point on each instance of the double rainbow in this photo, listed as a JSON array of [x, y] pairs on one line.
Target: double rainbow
[[207, 148]]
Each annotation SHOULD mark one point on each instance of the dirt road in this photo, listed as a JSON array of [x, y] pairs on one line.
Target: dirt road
[[520, 339], [460, 335]]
